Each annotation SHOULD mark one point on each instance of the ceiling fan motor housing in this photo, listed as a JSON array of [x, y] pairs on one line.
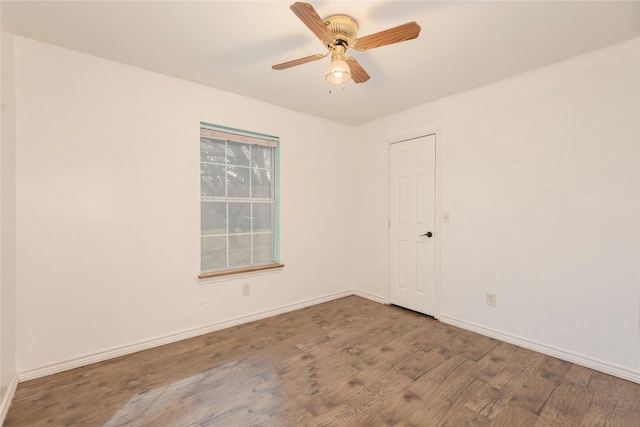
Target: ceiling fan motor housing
[[343, 27]]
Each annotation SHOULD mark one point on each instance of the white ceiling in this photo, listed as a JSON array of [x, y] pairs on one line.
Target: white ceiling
[[231, 45]]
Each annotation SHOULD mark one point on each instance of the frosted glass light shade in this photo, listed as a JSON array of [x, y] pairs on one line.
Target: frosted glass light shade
[[338, 72]]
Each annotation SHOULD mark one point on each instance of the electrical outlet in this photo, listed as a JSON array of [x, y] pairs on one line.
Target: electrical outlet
[[246, 289], [491, 300]]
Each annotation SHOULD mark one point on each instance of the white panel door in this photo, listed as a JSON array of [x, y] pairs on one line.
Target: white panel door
[[412, 210]]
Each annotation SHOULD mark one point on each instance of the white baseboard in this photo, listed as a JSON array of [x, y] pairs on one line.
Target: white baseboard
[[367, 295], [156, 342], [598, 365], [8, 398], [578, 359]]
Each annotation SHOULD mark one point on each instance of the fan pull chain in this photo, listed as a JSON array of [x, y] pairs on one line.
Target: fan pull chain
[[343, 87]]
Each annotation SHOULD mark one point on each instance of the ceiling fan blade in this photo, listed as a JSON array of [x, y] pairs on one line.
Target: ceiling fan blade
[[299, 61], [358, 74], [403, 32], [311, 19]]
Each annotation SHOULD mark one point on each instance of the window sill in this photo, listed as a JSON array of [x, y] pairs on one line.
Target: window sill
[[240, 271]]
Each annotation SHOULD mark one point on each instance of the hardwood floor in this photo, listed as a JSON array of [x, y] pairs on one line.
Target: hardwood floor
[[349, 362]]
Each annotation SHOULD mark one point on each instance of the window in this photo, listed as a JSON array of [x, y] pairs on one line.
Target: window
[[238, 203]]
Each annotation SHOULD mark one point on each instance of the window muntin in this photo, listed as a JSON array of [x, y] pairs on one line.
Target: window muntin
[[238, 207]]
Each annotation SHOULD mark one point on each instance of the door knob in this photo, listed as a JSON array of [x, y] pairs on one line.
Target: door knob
[[428, 234]]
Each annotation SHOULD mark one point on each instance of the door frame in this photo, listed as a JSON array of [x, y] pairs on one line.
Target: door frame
[[437, 132]]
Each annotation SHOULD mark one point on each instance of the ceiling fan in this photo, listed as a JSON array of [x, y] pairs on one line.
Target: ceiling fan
[[340, 33]]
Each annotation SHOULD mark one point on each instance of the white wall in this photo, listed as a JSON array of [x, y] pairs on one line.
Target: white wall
[[8, 372], [540, 176], [539, 172], [108, 207]]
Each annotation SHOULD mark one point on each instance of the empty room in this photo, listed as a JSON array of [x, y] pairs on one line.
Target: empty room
[[333, 213]]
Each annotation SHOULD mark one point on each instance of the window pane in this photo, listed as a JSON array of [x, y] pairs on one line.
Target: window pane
[[237, 204], [262, 213], [239, 250], [213, 253], [261, 184], [212, 180], [261, 156], [262, 248], [238, 181], [238, 153], [213, 218], [212, 150], [239, 218]]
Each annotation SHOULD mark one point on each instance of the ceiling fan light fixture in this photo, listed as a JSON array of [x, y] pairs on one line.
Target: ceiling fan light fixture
[[338, 72], [338, 33]]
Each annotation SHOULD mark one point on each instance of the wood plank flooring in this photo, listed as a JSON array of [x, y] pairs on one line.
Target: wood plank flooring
[[349, 362]]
